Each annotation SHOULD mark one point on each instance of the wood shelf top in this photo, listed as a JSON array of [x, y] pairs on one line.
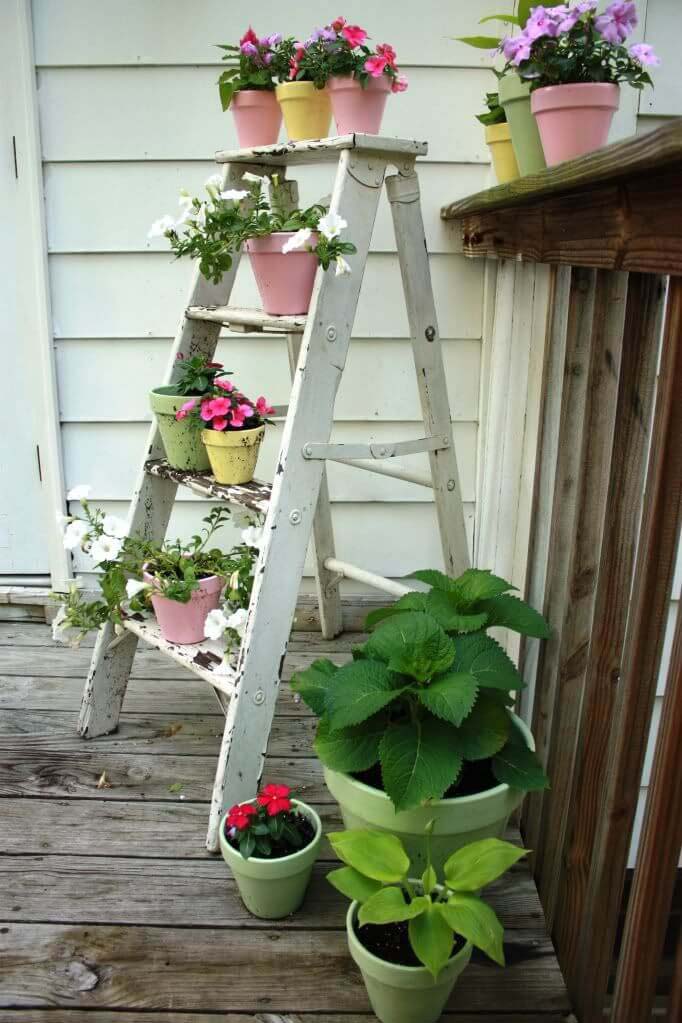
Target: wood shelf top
[[254, 495], [325, 150], [247, 320], [204, 659]]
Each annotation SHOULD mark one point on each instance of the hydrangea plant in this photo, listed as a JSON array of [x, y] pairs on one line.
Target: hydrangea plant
[[429, 690]]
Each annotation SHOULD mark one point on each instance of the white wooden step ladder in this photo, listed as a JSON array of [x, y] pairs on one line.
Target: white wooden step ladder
[[296, 504]]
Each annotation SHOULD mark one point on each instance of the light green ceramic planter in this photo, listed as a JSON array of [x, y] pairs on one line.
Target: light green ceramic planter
[[515, 98], [181, 440], [404, 994], [457, 821], [272, 889]]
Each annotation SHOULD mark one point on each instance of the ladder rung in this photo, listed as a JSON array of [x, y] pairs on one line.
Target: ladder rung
[[379, 449], [370, 465], [201, 658], [254, 495], [360, 575], [324, 150], [243, 320]]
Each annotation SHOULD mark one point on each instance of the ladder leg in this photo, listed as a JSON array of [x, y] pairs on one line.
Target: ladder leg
[[328, 596], [403, 194], [150, 512], [295, 493]]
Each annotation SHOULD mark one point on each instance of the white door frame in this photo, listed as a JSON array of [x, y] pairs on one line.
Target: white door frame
[[33, 282]]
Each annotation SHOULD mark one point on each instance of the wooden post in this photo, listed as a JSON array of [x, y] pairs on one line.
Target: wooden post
[[675, 1000], [640, 665]]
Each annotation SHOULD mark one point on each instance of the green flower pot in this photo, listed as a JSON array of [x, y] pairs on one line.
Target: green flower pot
[[403, 994], [272, 889], [181, 439], [515, 98], [457, 821]]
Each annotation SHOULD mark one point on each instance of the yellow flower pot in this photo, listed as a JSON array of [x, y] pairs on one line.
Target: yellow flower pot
[[499, 142], [307, 110], [233, 453]]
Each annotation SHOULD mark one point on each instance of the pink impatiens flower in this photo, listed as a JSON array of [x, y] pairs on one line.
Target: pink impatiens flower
[[205, 412], [644, 54], [224, 385], [384, 50], [239, 414], [399, 83], [338, 23], [185, 409], [219, 406], [375, 66], [354, 35], [516, 48], [219, 423], [262, 407], [617, 21]]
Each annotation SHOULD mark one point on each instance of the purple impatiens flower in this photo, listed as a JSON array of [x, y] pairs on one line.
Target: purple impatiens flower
[[249, 49], [644, 54], [617, 21]]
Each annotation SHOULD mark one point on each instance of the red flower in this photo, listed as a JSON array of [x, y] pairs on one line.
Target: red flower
[[239, 816], [249, 37], [275, 798]]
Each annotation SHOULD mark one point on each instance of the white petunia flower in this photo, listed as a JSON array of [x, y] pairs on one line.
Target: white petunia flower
[[62, 519], [331, 225], [215, 624], [135, 586], [342, 267], [79, 493], [215, 181], [248, 176], [114, 526], [198, 217], [253, 536], [233, 195], [237, 620], [75, 534], [298, 240], [187, 213], [242, 518], [160, 226], [105, 548], [234, 580]]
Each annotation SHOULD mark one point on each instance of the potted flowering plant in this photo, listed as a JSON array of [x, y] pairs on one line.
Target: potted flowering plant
[[302, 97], [232, 428], [270, 844], [249, 87], [419, 725], [574, 59], [285, 246], [412, 936], [498, 138], [192, 377], [181, 582]]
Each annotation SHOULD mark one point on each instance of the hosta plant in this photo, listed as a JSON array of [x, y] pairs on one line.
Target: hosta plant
[[438, 909], [428, 691]]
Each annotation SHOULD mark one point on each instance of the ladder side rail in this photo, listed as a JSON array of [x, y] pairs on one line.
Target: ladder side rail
[[296, 487], [403, 195]]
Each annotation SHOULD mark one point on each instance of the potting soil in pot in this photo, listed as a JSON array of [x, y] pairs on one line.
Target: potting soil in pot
[[476, 776], [391, 942]]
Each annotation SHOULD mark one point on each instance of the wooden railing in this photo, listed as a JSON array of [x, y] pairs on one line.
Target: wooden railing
[[603, 538]]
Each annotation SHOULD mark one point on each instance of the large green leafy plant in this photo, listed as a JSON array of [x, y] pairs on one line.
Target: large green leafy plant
[[377, 875], [429, 690]]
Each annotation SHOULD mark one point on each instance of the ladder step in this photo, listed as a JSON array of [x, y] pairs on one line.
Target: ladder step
[[324, 150], [346, 570], [243, 320], [254, 495], [201, 658]]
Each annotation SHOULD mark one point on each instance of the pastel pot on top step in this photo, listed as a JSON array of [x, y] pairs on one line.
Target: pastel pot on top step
[[257, 117], [404, 994], [358, 108], [457, 821], [184, 623], [233, 453], [272, 889], [181, 439], [574, 119], [285, 279], [515, 98], [498, 137], [307, 110]]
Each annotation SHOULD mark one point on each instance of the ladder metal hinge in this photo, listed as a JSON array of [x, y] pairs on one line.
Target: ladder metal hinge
[[339, 452]]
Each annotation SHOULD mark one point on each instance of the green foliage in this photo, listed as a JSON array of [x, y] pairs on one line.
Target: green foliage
[[350, 749], [360, 690], [412, 644], [195, 376], [495, 113], [516, 765], [377, 877], [418, 761]]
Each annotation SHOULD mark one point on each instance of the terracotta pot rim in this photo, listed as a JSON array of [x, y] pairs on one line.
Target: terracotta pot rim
[[253, 97], [272, 243], [573, 95], [341, 82]]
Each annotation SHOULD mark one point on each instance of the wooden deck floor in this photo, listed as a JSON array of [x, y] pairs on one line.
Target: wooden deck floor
[[111, 911]]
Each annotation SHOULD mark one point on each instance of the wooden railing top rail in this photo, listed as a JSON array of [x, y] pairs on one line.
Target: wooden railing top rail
[[619, 208]]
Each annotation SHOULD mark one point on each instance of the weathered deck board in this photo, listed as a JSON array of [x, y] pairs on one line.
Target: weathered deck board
[[110, 906]]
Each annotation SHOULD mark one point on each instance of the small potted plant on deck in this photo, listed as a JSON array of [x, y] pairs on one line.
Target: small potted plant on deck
[[249, 88], [498, 138], [574, 59], [420, 726], [270, 844], [412, 934]]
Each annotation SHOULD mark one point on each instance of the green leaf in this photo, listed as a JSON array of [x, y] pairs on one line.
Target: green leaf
[[480, 42], [313, 684], [450, 696], [414, 601], [360, 690], [432, 577], [419, 761], [475, 865], [444, 607], [484, 732], [412, 644], [177, 786], [429, 880], [376, 854], [481, 656], [431, 939], [349, 749], [476, 921], [507, 19], [354, 885], [518, 766], [389, 907], [479, 584], [512, 613]]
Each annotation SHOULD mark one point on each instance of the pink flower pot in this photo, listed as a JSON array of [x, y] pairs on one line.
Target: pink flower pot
[[184, 623], [574, 119], [257, 117], [285, 279], [355, 108]]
